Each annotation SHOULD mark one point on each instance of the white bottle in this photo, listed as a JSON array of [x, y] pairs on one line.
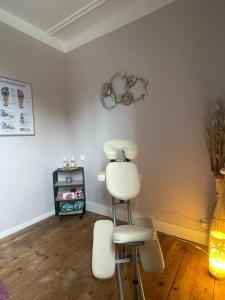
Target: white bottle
[[72, 163], [65, 163]]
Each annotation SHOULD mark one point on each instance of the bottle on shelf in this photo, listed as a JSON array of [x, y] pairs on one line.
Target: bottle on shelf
[[65, 163], [72, 163]]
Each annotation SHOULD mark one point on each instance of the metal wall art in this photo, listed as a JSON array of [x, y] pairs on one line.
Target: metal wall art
[[123, 88]]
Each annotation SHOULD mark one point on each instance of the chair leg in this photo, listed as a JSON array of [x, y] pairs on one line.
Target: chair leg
[[140, 286], [119, 279], [135, 276], [138, 292]]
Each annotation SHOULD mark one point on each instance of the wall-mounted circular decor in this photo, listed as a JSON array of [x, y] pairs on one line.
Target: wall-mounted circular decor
[[123, 88]]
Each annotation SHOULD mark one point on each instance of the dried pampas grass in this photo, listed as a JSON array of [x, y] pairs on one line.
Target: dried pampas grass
[[215, 136]]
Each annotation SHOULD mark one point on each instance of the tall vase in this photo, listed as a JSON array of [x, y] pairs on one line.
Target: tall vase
[[217, 233]]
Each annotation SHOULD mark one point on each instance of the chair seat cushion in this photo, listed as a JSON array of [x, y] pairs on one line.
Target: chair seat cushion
[[123, 180], [131, 233]]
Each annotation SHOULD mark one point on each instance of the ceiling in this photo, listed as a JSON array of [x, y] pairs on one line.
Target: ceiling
[[68, 24]]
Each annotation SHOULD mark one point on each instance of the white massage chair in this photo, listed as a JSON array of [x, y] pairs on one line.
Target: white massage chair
[[123, 183]]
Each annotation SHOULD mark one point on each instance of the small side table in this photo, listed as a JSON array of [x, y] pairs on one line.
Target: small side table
[[69, 195]]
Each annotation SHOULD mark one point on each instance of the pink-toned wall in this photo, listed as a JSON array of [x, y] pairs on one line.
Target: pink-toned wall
[[180, 49], [27, 162]]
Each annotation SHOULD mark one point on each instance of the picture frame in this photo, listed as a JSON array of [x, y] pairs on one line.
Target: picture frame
[[16, 108]]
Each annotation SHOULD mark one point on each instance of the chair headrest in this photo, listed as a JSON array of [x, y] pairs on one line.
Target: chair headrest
[[110, 149]]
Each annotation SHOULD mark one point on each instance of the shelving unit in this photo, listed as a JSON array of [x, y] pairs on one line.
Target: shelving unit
[[69, 197]]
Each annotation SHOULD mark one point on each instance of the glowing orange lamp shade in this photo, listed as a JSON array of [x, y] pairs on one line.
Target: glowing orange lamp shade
[[217, 254]]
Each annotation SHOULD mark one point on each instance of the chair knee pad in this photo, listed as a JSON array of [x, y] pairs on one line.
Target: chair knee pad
[[103, 253]]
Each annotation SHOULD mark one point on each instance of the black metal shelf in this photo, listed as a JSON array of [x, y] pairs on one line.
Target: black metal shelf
[[69, 200], [77, 212], [61, 183], [70, 169], [74, 183]]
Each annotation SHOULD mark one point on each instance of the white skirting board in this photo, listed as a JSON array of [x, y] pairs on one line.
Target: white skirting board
[[189, 234], [162, 226], [28, 223]]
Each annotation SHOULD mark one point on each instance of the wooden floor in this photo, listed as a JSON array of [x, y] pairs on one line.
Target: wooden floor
[[52, 260]]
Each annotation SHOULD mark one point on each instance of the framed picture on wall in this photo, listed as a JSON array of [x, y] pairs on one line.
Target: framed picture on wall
[[16, 107]]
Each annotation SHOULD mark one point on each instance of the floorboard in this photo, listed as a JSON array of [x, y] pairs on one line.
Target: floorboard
[[52, 261]]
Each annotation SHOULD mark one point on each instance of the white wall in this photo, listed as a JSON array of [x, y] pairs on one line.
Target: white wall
[[27, 163], [181, 50]]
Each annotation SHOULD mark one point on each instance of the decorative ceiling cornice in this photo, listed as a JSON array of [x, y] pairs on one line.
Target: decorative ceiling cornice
[[124, 16], [31, 30], [75, 16]]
